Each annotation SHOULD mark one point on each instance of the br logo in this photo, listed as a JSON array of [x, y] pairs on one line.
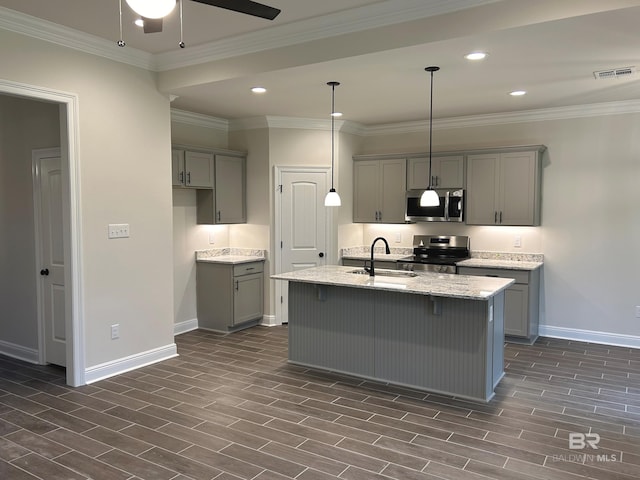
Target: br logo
[[579, 441]]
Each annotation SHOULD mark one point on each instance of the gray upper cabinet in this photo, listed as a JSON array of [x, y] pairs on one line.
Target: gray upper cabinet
[[230, 190], [446, 172], [191, 169], [503, 188], [379, 190], [226, 203]]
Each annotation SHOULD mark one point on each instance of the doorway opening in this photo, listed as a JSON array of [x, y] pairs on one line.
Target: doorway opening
[[71, 221]]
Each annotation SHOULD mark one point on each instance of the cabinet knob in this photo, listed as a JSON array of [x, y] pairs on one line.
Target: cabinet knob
[[321, 254], [44, 272]]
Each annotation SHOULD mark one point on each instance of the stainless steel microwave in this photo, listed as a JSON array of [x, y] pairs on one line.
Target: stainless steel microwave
[[451, 208]]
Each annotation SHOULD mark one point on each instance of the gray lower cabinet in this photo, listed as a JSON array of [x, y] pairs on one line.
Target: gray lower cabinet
[[521, 300], [229, 296], [351, 262]]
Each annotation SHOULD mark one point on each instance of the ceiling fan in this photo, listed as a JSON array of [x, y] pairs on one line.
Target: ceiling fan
[[153, 11]]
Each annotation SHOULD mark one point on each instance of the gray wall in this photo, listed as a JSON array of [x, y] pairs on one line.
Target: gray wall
[[124, 177], [25, 125]]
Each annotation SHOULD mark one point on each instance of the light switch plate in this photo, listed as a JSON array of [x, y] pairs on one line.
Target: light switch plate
[[517, 241], [118, 230]]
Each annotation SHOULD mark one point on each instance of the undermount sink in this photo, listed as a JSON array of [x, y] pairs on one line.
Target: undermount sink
[[386, 273]]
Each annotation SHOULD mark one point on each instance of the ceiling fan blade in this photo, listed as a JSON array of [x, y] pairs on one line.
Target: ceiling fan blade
[[244, 6], [152, 25]]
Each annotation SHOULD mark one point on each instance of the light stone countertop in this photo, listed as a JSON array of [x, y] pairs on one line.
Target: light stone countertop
[[230, 256], [509, 261], [425, 283]]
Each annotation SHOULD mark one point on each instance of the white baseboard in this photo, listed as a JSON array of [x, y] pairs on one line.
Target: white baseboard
[[590, 336], [115, 367], [186, 326], [18, 351], [269, 321]]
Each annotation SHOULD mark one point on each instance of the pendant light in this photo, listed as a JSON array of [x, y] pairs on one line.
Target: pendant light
[[429, 197], [332, 199], [152, 8]]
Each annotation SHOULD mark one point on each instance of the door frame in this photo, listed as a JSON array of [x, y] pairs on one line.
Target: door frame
[[277, 225], [72, 219]]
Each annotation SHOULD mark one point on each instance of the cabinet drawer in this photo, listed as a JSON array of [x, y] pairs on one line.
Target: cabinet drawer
[[520, 276], [247, 268]]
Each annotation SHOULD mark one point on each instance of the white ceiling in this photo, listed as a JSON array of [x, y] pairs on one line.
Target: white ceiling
[[377, 49]]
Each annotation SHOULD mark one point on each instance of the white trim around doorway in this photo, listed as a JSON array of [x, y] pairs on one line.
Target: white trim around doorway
[[69, 138]]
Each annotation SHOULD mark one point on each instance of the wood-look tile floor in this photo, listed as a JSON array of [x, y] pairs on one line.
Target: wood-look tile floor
[[230, 407]]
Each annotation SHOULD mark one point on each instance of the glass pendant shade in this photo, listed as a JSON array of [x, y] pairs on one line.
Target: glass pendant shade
[[429, 198], [332, 199], [152, 8]]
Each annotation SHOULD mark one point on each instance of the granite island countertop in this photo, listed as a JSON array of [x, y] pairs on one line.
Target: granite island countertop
[[230, 256], [424, 283]]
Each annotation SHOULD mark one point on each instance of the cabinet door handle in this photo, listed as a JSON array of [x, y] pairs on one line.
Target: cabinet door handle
[[181, 177], [189, 178], [250, 268], [237, 285], [218, 215], [501, 216], [433, 181], [495, 217]]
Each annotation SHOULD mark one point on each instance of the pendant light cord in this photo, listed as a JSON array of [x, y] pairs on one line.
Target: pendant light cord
[[431, 70], [333, 86], [333, 130]]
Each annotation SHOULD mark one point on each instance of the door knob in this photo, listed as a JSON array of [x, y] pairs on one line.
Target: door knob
[[321, 254], [44, 272]]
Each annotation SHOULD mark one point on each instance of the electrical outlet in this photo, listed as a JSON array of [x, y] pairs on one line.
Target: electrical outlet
[[211, 238], [637, 311], [118, 230], [398, 237], [115, 331], [517, 241]]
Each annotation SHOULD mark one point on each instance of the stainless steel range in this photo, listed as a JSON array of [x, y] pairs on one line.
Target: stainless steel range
[[436, 253]]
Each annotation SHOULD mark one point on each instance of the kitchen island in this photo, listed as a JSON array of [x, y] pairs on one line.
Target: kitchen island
[[441, 333]]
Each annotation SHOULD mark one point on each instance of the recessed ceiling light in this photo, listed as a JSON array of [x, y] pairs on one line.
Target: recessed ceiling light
[[258, 90], [476, 56], [139, 22], [517, 93]]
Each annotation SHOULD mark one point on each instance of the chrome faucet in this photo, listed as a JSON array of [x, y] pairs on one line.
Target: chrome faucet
[[372, 271]]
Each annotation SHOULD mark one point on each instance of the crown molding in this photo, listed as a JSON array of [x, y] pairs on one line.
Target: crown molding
[[354, 128], [199, 120], [539, 115], [68, 37], [271, 121], [354, 20]]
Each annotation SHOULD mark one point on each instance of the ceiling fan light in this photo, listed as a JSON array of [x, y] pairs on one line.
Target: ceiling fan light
[[152, 8], [429, 198], [332, 199]]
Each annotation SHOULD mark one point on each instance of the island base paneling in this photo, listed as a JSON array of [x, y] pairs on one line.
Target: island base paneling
[[443, 345]]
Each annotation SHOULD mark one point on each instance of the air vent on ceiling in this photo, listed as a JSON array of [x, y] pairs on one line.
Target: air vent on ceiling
[[615, 72]]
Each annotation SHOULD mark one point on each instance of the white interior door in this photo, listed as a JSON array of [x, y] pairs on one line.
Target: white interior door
[[50, 240], [303, 225]]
